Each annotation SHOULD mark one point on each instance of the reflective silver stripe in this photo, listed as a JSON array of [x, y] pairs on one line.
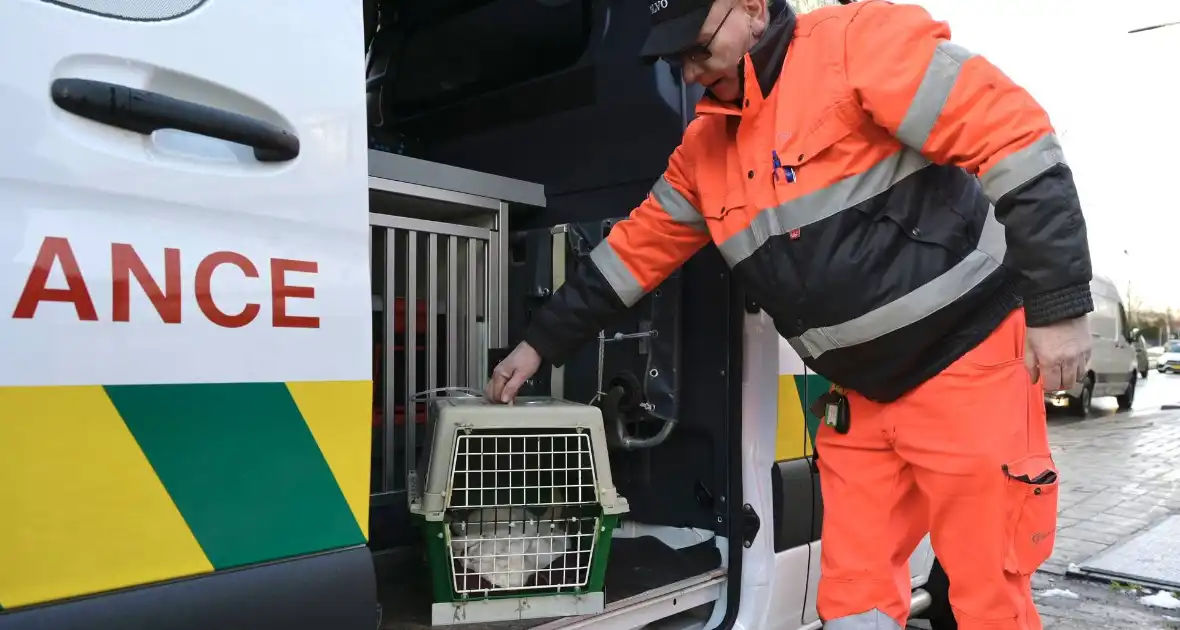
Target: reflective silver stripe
[[1017, 169], [932, 93], [677, 206], [821, 204], [871, 620], [915, 305], [616, 273], [607, 260]]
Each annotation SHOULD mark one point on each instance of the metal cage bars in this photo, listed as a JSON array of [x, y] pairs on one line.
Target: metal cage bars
[[449, 279]]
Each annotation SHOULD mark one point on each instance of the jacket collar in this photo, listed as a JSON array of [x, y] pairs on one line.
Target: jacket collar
[[769, 53], [765, 58]]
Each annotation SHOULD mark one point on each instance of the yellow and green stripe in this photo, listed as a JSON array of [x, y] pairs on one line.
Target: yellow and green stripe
[[795, 436], [108, 487]]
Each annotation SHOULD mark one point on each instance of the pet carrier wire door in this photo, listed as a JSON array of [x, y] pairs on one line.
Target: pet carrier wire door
[[518, 508]]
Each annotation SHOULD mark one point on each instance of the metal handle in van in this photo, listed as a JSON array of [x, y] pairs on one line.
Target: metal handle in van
[[145, 112]]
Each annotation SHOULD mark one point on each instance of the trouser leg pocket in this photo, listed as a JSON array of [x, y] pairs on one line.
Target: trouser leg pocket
[[1032, 487]]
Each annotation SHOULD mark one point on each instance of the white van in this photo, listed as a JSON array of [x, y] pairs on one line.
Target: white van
[[1114, 367], [220, 307]]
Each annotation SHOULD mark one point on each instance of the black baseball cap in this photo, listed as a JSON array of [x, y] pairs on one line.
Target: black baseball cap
[[675, 26]]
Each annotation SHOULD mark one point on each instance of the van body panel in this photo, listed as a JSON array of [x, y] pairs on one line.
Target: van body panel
[[335, 590], [185, 327]]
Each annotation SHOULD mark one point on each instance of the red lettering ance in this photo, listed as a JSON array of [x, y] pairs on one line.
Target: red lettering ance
[[126, 264], [280, 291], [55, 249], [204, 281]]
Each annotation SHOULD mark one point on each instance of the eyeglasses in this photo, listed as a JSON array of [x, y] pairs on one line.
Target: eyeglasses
[[697, 52]]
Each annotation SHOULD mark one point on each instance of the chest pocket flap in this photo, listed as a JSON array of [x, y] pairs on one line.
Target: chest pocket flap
[[819, 136]]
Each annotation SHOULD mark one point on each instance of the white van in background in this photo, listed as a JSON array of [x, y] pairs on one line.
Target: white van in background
[[1113, 369]]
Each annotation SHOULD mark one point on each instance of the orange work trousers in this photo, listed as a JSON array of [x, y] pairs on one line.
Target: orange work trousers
[[963, 456]]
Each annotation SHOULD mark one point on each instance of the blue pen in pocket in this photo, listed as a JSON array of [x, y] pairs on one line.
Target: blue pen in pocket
[[788, 172]]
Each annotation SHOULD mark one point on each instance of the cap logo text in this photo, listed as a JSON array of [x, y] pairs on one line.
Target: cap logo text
[[657, 5]]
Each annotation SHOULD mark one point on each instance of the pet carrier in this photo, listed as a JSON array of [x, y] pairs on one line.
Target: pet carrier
[[517, 506]]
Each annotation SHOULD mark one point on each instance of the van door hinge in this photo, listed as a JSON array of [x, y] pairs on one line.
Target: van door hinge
[[750, 525]]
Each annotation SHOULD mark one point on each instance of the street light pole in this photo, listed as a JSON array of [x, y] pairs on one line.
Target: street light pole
[[1167, 320], [1130, 275], [1168, 310]]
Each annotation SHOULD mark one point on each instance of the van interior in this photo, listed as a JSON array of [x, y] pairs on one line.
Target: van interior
[[549, 92]]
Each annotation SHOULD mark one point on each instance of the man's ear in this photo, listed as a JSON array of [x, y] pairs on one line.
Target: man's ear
[[758, 12], [754, 8]]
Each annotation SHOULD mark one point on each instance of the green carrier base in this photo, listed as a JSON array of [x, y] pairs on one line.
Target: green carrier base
[[456, 601]]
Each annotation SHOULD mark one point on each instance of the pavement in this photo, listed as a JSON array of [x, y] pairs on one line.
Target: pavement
[[1120, 474], [1067, 604]]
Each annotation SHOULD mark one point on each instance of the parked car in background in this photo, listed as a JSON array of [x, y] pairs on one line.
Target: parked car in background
[[1169, 360]]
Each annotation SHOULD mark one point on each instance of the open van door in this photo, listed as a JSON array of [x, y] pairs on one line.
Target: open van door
[[185, 292]]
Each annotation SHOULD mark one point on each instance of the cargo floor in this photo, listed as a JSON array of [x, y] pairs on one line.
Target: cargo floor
[[636, 565]]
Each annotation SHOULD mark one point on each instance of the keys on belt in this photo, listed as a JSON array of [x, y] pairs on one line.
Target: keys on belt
[[832, 407]]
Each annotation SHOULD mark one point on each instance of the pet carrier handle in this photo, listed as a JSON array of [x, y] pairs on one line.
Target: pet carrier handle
[[442, 392]]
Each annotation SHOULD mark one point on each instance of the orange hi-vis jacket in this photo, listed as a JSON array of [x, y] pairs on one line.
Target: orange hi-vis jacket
[[885, 195]]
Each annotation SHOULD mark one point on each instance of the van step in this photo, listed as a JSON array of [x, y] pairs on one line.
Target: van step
[[644, 608]]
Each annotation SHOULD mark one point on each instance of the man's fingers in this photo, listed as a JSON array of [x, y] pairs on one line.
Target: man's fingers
[[1064, 374], [1051, 377], [1069, 372], [495, 387], [514, 384], [1081, 365], [1030, 363]]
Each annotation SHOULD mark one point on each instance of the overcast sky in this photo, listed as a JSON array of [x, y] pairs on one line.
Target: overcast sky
[[1113, 96]]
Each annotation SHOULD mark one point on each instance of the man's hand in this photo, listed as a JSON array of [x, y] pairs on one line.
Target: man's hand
[[1058, 353], [518, 367]]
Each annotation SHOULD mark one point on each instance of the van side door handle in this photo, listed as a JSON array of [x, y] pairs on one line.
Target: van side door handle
[[145, 112]]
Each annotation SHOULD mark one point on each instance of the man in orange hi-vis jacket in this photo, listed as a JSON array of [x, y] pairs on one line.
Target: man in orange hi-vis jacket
[[904, 213]]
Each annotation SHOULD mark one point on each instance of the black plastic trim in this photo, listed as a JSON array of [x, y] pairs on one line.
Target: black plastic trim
[[798, 507], [751, 526], [736, 340], [335, 590]]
